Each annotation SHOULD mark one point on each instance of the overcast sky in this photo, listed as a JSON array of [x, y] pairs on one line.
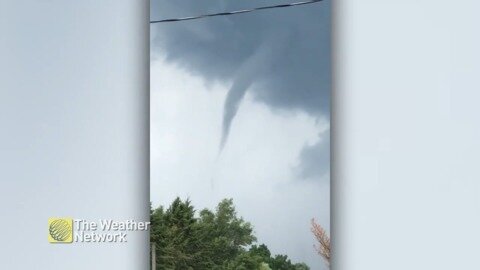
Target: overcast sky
[[240, 109]]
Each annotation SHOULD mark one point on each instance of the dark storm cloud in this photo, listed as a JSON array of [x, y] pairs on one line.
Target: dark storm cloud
[[281, 56]]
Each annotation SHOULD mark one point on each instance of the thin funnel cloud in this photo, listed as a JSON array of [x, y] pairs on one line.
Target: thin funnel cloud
[[247, 74]]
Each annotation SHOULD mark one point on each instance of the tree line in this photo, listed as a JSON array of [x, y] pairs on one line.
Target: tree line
[[209, 240]]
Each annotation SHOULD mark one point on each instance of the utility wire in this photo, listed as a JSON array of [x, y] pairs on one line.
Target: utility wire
[[236, 12]]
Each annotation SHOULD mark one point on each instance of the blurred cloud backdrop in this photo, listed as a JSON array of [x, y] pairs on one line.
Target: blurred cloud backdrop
[[240, 109]]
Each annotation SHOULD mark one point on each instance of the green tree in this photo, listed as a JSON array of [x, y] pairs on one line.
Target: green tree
[[301, 266], [282, 262], [245, 261], [173, 231], [262, 251], [264, 266], [209, 240], [224, 236], [278, 262]]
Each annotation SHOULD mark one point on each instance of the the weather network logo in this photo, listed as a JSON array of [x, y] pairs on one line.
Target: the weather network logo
[[60, 230]]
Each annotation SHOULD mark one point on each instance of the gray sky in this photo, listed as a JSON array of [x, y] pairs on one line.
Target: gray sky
[[259, 85]]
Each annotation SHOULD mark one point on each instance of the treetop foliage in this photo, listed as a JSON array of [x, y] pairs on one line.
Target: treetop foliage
[[209, 240]]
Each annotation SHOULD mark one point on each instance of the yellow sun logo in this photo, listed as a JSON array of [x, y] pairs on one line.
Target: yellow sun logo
[[60, 230]]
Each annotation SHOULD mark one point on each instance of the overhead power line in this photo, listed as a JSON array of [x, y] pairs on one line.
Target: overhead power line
[[236, 12]]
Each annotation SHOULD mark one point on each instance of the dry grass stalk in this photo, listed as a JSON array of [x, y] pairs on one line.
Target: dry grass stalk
[[323, 239]]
